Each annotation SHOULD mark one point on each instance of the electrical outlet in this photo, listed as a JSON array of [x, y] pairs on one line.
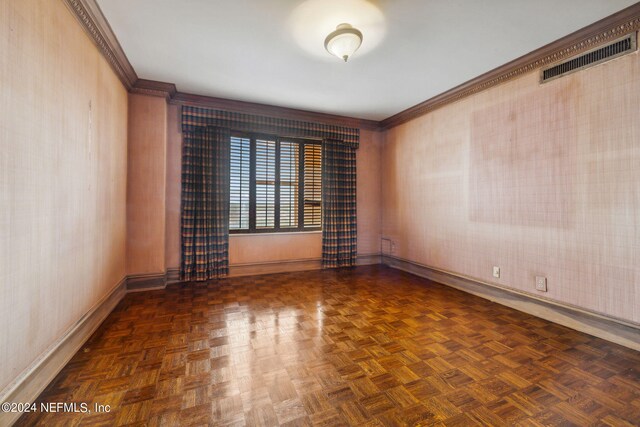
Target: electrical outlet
[[496, 271], [541, 284], [386, 244]]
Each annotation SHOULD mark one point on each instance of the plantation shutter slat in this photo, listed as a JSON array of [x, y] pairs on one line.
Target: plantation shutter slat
[[239, 200], [312, 185], [265, 183], [289, 158], [276, 184]]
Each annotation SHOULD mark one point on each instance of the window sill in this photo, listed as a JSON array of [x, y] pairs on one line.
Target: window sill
[[274, 234]]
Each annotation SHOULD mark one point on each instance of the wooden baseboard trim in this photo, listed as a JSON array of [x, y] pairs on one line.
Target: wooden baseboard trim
[[598, 325], [173, 275], [369, 259], [146, 282], [28, 385], [288, 266], [254, 269]]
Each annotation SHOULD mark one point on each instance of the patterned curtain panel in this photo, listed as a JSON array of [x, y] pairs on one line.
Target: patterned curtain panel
[[205, 204], [195, 117], [339, 228]]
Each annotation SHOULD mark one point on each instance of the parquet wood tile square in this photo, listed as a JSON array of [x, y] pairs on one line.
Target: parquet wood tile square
[[368, 346]]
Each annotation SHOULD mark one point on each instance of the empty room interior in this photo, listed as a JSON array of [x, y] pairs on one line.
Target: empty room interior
[[320, 213]]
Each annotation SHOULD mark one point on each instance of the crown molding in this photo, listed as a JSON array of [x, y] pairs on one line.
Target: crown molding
[[610, 28], [88, 13], [168, 91], [614, 26], [93, 21], [273, 111], [154, 88]]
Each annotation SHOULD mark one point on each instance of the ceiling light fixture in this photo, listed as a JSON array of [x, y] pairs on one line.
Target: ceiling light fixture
[[343, 42]]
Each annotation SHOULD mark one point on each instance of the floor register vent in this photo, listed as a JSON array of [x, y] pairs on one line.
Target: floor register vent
[[619, 47]]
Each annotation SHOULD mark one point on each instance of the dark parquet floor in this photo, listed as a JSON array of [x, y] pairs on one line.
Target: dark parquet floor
[[368, 346]]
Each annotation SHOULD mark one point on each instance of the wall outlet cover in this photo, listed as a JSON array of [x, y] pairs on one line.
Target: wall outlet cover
[[496, 271], [387, 245], [541, 284]]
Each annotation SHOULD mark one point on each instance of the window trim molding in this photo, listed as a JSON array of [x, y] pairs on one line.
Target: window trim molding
[[279, 233], [253, 230]]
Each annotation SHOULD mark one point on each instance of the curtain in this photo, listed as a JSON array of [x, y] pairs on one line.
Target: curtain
[[205, 186], [339, 226], [196, 117], [205, 203]]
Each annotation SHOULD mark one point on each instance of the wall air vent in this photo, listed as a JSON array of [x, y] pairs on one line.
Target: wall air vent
[[593, 57]]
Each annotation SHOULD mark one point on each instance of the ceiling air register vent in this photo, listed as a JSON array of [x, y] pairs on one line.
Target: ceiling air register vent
[[612, 50]]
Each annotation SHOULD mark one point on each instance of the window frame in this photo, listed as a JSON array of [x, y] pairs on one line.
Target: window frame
[[252, 229]]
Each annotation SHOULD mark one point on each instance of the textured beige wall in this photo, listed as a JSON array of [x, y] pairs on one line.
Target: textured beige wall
[[174, 187], [282, 247], [540, 180], [256, 249], [369, 187], [146, 190], [63, 169]]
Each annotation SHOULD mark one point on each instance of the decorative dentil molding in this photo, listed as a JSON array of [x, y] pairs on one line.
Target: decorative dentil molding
[[154, 88], [610, 28], [617, 25], [96, 26]]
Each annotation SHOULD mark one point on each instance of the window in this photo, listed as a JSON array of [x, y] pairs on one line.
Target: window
[[276, 184]]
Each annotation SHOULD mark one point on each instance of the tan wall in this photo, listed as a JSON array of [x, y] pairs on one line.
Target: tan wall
[[369, 188], [251, 249], [536, 179], [264, 248], [146, 190], [174, 187], [63, 169]]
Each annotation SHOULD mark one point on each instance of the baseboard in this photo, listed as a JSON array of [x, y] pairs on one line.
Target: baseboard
[[369, 259], [28, 386], [596, 324], [254, 269], [145, 282], [173, 275]]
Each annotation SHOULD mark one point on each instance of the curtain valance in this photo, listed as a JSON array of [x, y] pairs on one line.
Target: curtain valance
[[197, 117]]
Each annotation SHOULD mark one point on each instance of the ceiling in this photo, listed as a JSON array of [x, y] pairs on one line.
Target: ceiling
[[272, 52]]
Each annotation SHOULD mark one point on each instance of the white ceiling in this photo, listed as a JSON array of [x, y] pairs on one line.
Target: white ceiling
[[271, 51]]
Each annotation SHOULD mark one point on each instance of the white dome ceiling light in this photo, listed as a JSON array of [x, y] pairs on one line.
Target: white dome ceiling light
[[312, 20], [344, 41]]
